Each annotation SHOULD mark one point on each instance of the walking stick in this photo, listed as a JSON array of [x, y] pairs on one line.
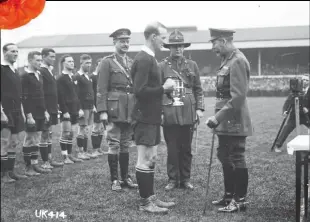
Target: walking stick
[[209, 172], [280, 130], [196, 136]]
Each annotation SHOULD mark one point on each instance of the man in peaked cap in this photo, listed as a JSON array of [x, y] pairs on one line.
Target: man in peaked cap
[[115, 102], [232, 121], [178, 121]]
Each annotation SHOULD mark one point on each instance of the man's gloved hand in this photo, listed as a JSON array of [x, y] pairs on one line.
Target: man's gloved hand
[[212, 122]]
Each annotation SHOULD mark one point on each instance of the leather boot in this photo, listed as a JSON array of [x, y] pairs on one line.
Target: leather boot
[[17, 176], [241, 183], [54, 163], [239, 202], [74, 159], [149, 206], [228, 174], [6, 178], [113, 165], [30, 171], [126, 179], [38, 169], [160, 203]]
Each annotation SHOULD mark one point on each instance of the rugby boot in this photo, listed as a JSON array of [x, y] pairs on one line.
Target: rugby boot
[[90, 155], [31, 172], [82, 156], [54, 163], [97, 153], [38, 169], [123, 164], [46, 165], [74, 159], [6, 178], [171, 185], [116, 186], [228, 174], [234, 206], [67, 160], [187, 185], [128, 183], [17, 176], [150, 207], [160, 203]]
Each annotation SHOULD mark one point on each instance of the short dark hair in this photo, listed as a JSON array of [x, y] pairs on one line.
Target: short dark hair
[[63, 58], [32, 54], [5, 47], [153, 28], [84, 57], [46, 51]]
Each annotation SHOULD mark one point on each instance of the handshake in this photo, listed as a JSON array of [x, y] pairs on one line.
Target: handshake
[[169, 85]]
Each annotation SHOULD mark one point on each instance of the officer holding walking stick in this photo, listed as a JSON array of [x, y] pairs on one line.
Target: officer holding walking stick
[[232, 120]]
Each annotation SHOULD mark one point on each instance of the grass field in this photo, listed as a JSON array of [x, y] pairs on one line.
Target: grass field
[[83, 192]]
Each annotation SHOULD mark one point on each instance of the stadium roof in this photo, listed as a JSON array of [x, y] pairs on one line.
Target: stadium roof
[[200, 36]]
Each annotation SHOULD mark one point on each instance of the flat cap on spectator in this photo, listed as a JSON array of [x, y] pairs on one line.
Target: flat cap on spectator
[[121, 34], [220, 33]]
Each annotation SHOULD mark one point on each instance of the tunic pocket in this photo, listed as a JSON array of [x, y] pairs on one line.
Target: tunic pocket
[[222, 77], [113, 108]]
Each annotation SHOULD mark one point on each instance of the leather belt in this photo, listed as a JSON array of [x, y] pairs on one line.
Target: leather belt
[[223, 95], [122, 89]]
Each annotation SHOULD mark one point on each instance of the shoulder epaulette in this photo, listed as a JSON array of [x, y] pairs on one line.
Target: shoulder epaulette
[[109, 56]]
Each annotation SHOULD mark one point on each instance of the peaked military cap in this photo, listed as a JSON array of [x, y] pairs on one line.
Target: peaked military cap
[[121, 34], [220, 33], [176, 38]]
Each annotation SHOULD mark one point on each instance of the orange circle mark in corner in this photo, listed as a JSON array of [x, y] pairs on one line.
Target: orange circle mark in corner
[[16, 13]]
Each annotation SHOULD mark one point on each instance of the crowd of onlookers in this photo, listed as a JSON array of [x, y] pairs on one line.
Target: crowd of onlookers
[[256, 84], [266, 70]]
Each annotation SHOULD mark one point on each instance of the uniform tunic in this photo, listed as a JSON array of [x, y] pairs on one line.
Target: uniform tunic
[[179, 120], [115, 96], [114, 89], [193, 99], [231, 106]]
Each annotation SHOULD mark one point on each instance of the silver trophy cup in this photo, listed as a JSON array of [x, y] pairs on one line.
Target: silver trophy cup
[[178, 93]]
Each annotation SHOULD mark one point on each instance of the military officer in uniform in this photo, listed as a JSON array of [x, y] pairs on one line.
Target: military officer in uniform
[[232, 121], [115, 102], [178, 120]]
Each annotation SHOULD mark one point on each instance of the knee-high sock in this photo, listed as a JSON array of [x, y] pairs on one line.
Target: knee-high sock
[[4, 163], [145, 179], [95, 141], [100, 140], [49, 148], [44, 152], [11, 160], [27, 155], [80, 142], [35, 152], [85, 144], [69, 147], [63, 147]]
